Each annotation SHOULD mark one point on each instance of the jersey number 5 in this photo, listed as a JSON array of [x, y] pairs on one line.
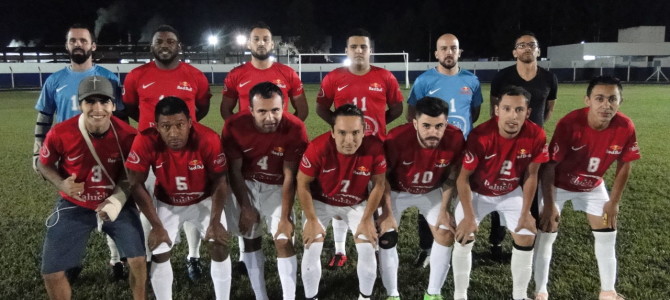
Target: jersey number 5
[[181, 183]]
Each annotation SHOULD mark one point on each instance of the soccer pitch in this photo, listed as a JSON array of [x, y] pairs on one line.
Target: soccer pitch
[[643, 246]]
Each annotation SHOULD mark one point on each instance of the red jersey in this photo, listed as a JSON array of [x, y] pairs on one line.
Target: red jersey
[[66, 146], [342, 180], [418, 170], [500, 163], [182, 177], [145, 85], [263, 154], [371, 92], [242, 78], [584, 154]]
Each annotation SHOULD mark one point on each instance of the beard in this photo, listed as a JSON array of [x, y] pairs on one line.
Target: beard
[[447, 65], [165, 60], [260, 56], [524, 58], [425, 141], [80, 56]]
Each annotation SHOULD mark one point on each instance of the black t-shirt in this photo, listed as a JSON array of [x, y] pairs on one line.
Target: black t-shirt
[[542, 88]]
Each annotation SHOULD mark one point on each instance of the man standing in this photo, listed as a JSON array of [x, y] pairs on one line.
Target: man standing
[[264, 146], [461, 90], [83, 158], [542, 86], [333, 180], [191, 185], [422, 162], [372, 90], [501, 155], [262, 68], [167, 76], [586, 142]]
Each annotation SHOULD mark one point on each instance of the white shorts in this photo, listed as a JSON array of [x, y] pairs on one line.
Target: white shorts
[[266, 199], [428, 204], [173, 218], [508, 206], [589, 202], [352, 215]]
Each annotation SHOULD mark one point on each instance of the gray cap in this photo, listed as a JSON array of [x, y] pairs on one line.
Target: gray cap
[[95, 85]]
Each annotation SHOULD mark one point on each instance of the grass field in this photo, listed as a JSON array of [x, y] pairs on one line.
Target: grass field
[[643, 246]]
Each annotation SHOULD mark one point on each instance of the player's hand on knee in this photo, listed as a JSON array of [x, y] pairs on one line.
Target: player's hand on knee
[[549, 219], [446, 222], [367, 231], [284, 229], [72, 188], [610, 214], [157, 236], [248, 218], [526, 221], [465, 230], [312, 232], [387, 222], [217, 234]]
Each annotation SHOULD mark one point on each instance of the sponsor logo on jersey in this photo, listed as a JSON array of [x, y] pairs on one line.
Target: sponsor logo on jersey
[[244, 83], [407, 163], [74, 158], [466, 91], [375, 87], [362, 170], [44, 152], [523, 153], [321, 93], [225, 88], [469, 158], [279, 83], [195, 165], [279, 151], [329, 170], [614, 149], [133, 158], [339, 88], [487, 157], [220, 159], [584, 182], [305, 162], [576, 148], [113, 158], [184, 86], [500, 188], [433, 91], [635, 147], [94, 196], [441, 163], [180, 198], [555, 151], [145, 86], [58, 89]]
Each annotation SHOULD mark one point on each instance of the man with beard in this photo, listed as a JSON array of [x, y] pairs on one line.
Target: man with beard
[[500, 173], [542, 86], [461, 90], [167, 76], [264, 146], [262, 68], [59, 97]]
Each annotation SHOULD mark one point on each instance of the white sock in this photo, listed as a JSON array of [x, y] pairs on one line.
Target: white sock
[[311, 269], [193, 239], [461, 260], [522, 269], [221, 272], [288, 273], [605, 243], [366, 268], [114, 256], [255, 263], [161, 280], [340, 236], [240, 242], [388, 259], [439, 268], [146, 227], [544, 242]]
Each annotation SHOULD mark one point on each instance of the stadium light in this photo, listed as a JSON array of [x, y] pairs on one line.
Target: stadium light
[[241, 39], [346, 62], [213, 40]]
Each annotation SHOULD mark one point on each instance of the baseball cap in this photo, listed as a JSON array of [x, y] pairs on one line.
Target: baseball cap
[[95, 85]]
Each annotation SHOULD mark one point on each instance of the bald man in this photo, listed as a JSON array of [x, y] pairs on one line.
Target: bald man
[[461, 90]]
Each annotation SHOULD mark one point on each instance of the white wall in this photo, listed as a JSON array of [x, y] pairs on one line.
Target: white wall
[[642, 34]]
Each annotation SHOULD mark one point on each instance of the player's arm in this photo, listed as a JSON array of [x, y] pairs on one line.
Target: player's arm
[[313, 231], [42, 127], [444, 219], [66, 185], [288, 197], [474, 113], [611, 208], [549, 110], [367, 227], [549, 216], [201, 109], [227, 106], [248, 215], [468, 226], [325, 113], [393, 112], [299, 103], [529, 188], [109, 209], [216, 233], [133, 111], [411, 113], [386, 220], [158, 234]]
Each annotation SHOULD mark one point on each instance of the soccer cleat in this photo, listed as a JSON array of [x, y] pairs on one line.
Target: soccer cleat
[[194, 268], [427, 296], [422, 260], [497, 253], [338, 260], [72, 274], [541, 296], [116, 272], [610, 295]]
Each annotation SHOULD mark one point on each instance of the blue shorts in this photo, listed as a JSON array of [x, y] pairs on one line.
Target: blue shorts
[[70, 225]]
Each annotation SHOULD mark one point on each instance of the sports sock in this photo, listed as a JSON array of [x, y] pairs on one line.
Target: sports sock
[[544, 242], [366, 267], [221, 272], [240, 243], [193, 239], [114, 256], [340, 236], [288, 270], [388, 259], [255, 263], [462, 264], [161, 280], [311, 269], [605, 243], [522, 269], [146, 228], [439, 268]]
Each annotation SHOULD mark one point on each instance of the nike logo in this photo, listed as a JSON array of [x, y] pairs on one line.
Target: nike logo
[[329, 170], [489, 156], [160, 166], [407, 163], [433, 91], [144, 86], [244, 83], [74, 158], [60, 88], [339, 88], [247, 150], [578, 148]]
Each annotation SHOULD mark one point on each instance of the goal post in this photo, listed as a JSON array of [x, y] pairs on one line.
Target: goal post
[[405, 61]]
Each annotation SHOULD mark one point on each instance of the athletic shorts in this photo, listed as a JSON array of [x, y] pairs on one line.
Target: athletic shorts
[[508, 206], [589, 202], [352, 215], [69, 227], [428, 204], [266, 199]]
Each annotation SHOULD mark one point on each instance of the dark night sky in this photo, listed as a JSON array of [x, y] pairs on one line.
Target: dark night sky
[[485, 28]]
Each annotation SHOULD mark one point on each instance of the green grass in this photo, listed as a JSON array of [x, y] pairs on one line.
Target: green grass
[[643, 246]]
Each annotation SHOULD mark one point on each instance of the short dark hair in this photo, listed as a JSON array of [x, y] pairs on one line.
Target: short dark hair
[[358, 32], [431, 106], [604, 80], [171, 106], [513, 90], [265, 90], [524, 33], [348, 110], [81, 26], [260, 25], [166, 28]]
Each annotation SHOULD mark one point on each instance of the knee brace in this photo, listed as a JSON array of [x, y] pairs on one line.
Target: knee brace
[[388, 240]]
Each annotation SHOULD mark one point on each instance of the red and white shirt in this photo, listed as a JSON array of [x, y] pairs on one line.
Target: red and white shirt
[[499, 163], [242, 78], [342, 180], [66, 146], [182, 177], [263, 154], [145, 85], [418, 170], [584, 154], [371, 93]]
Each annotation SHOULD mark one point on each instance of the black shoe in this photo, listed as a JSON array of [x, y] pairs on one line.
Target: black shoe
[[194, 268], [239, 268], [117, 272], [422, 260], [72, 274], [497, 253]]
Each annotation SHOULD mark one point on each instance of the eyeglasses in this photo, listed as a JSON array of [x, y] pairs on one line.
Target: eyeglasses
[[531, 45]]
